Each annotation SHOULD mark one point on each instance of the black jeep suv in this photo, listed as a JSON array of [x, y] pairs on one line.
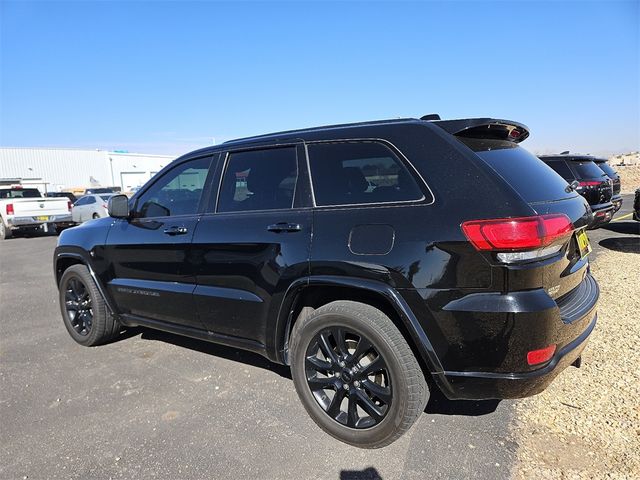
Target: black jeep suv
[[379, 260], [591, 182], [616, 198]]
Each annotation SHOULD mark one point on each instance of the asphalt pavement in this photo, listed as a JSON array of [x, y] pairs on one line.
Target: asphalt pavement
[[621, 234], [155, 405]]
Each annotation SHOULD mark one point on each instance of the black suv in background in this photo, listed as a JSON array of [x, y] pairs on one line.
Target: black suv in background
[[591, 182], [379, 260], [616, 198]]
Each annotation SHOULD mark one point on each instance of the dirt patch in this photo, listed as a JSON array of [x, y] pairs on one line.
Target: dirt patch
[[587, 423], [629, 177]]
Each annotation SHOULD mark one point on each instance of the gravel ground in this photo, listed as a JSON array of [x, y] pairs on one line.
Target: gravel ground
[[587, 423], [629, 176]]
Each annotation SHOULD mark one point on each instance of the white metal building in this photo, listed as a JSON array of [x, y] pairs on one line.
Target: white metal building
[[57, 169]]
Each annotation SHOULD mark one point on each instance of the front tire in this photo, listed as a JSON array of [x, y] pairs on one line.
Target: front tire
[[356, 375], [84, 312]]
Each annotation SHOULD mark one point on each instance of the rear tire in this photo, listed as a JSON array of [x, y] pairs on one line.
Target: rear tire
[[5, 232], [84, 312], [95, 215], [353, 352]]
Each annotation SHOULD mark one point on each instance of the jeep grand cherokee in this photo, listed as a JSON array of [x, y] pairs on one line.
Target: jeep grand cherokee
[[369, 257]]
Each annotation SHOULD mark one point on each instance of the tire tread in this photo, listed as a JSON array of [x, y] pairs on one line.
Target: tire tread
[[418, 392]]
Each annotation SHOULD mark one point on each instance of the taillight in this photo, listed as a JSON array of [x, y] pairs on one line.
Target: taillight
[[536, 357], [104, 205], [69, 204], [520, 239], [589, 184], [9, 208]]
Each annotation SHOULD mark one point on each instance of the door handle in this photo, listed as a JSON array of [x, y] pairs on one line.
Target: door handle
[[284, 227], [175, 230]]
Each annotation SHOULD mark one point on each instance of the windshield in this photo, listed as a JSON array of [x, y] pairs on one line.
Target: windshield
[[534, 180], [20, 193]]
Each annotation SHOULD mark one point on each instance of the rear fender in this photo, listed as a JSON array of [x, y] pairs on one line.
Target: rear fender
[[418, 337]]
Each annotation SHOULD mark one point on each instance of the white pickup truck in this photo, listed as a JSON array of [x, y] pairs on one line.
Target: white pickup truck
[[23, 208]]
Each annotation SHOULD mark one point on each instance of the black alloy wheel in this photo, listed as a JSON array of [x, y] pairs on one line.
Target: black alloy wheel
[[348, 377], [79, 306], [84, 311], [355, 373]]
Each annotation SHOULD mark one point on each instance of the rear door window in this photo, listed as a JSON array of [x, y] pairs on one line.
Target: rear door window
[[533, 179], [359, 172], [586, 169]]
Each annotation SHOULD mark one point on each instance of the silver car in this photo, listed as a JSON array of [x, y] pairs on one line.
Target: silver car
[[90, 206]]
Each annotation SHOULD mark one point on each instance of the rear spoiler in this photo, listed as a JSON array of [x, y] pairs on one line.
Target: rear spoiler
[[485, 128]]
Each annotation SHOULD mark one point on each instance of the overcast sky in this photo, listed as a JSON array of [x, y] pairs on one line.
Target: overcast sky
[[170, 77]]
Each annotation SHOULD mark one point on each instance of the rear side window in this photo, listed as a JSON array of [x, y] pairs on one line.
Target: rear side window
[[350, 173], [91, 200], [259, 180], [586, 169], [534, 180], [562, 169]]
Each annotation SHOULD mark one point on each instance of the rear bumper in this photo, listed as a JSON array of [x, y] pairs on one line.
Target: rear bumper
[[483, 339], [602, 214], [26, 222], [616, 200], [486, 385]]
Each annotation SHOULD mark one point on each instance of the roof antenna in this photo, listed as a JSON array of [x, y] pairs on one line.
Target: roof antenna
[[566, 152], [431, 116]]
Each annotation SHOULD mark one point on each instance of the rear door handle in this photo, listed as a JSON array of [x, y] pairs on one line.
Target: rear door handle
[[284, 227], [176, 230]]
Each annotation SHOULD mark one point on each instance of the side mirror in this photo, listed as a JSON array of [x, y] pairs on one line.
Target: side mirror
[[118, 206]]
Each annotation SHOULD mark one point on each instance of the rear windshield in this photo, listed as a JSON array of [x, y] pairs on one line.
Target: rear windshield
[[534, 180], [105, 197], [586, 169], [606, 168], [20, 193]]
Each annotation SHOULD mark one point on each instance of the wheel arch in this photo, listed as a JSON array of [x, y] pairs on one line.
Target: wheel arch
[[64, 260], [316, 291]]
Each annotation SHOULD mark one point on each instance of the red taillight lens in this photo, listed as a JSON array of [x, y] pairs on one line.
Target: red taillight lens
[[535, 357], [512, 234], [69, 205], [589, 184], [104, 205], [9, 208]]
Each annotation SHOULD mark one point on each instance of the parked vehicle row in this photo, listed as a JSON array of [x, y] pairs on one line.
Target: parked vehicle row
[[368, 257], [24, 209], [594, 179], [90, 207]]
